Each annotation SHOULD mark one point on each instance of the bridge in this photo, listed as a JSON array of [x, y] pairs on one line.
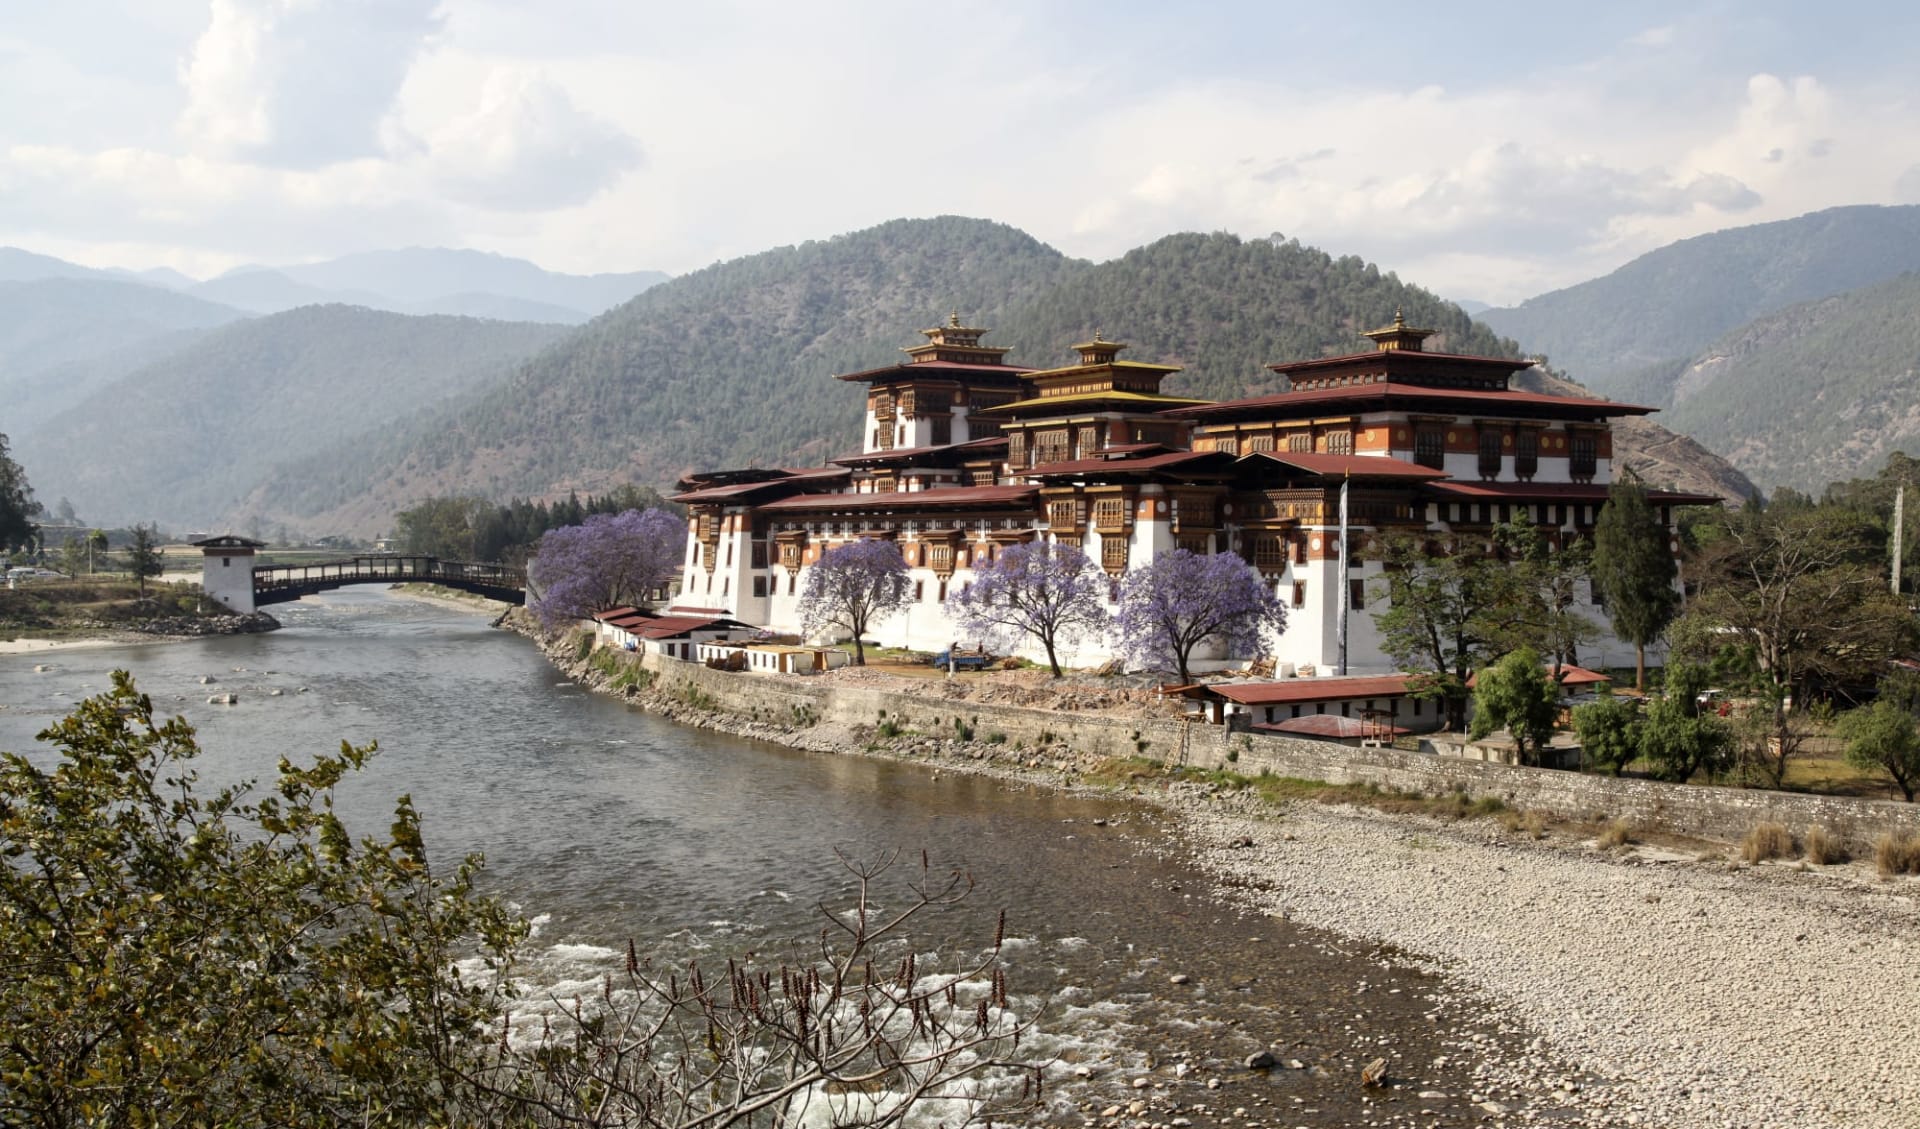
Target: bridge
[[248, 587], [277, 584]]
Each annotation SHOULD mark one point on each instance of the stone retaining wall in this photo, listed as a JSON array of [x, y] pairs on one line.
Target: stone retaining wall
[[1725, 814]]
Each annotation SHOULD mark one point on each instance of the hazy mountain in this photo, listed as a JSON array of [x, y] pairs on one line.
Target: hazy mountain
[[182, 439], [62, 336], [423, 274], [497, 307], [1819, 391], [1674, 302], [265, 291], [733, 365], [25, 266]]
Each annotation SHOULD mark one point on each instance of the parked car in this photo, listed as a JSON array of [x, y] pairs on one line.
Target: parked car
[[26, 575]]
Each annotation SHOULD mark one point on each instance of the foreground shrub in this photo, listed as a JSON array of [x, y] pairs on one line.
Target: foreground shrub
[[1619, 833], [1898, 852], [1767, 841], [1823, 848]]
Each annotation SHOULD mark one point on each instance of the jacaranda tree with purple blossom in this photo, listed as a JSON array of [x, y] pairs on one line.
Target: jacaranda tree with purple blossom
[[1183, 599], [853, 586], [606, 561], [1048, 592]]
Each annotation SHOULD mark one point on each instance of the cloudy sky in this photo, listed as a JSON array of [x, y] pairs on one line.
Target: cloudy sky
[[1485, 150]]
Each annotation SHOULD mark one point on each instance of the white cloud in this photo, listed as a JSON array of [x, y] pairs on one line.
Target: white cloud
[[299, 83], [525, 146]]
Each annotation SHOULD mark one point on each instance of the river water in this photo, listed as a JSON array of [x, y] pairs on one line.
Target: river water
[[603, 823]]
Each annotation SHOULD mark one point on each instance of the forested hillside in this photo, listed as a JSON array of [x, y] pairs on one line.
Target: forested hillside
[[726, 366], [733, 365], [1225, 308], [60, 337], [182, 440], [1672, 303], [1815, 393]]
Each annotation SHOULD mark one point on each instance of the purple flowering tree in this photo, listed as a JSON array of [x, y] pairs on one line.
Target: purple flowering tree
[[1183, 599], [1049, 592], [604, 562], [852, 586]]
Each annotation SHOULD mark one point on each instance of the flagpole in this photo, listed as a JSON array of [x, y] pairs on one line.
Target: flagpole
[[1342, 594]]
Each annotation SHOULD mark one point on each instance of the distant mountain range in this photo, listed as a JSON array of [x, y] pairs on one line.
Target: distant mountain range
[[330, 418], [414, 280], [1670, 304], [733, 365], [182, 439]]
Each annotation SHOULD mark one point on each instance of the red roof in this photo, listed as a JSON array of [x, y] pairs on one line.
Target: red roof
[[1569, 675], [1332, 725], [986, 444], [1151, 462], [1311, 690], [909, 499], [908, 368], [1357, 466], [1558, 491], [616, 613], [673, 626], [742, 489], [1403, 359], [1376, 397]]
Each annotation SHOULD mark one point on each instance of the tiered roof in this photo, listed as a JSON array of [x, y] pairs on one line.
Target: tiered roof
[[952, 351]]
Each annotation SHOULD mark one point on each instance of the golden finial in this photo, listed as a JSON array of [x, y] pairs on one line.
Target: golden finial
[[953, 320], [1399, 320], [1097, 338]]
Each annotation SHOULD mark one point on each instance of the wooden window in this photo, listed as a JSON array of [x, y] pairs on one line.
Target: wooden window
[[793, 582], [760, 555], [1086, 442], [1259, 443], [1051, 446], [1195, 545], [943, 592], [1340, 442], [1582, 459], [942, 430], [759, 587], [1299, 593], [919, 590], [1110, 514], [1357, 597], [1063, 515], [1113, 554], [1526, 453], [1016, 449], [1300, 442], [1490, 454], [1299, 550], [1270, 554], [1430, 447]]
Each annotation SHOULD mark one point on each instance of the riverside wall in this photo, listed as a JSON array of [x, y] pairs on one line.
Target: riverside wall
[[781, 706]]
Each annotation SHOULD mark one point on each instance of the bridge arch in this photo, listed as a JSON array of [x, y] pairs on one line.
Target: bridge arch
[[229, 576]]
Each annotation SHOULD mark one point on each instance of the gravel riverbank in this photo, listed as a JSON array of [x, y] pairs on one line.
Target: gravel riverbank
[[1661, 988]]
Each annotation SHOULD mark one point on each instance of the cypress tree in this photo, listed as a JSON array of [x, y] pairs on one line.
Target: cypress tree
[[1634, 569]]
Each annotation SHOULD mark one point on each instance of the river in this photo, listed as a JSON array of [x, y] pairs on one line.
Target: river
[[602, 823]]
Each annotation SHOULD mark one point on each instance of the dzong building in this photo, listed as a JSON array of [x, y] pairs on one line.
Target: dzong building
[[965, 453]]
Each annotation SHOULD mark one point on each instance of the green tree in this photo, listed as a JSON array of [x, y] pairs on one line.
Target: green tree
[[145, 557], [1516, 694], [1609, 731], [221, 960], [1679, 742], [17, 507], [1547, 580], [1804, 595], [1883, 736], [173, 959], [439, 527], [1447, 611], [1634, 569]]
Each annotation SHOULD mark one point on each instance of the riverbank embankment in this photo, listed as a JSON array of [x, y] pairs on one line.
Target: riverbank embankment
[[1664, 987]]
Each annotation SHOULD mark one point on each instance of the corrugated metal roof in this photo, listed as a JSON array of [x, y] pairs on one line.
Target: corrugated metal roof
[[1280, 404], [1331, 725], [1293, 690], [1151, 462], [1357, 466], [908, 500]]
